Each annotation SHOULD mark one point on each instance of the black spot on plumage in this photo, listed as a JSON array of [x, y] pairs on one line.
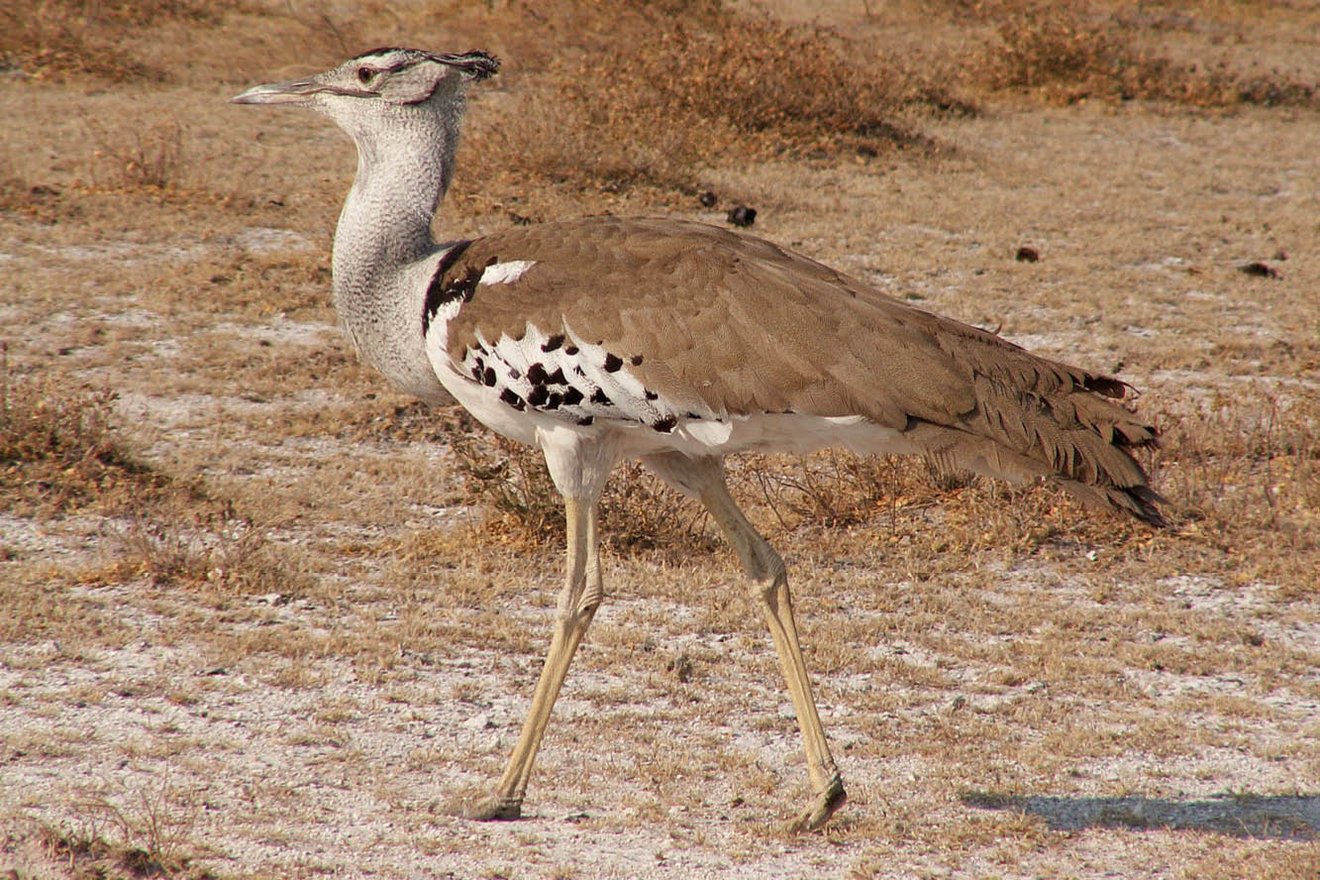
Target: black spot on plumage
[[540, 394], [553, 343], [555, 399], [665, 425], [515, 373], [571, 350], [651, 395], [440, 291], [636, 360], [586, 420], [557, 377], [477, 371], [536, 374], [572, 397], [488, 377], [599, 396], [693, 415], [613, 363], [512, 399]]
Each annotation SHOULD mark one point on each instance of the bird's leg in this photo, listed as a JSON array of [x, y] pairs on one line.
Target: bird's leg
[[578, 600], [765, 568]]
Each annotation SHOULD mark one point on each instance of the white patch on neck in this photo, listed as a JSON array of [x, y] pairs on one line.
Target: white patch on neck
[[505, 273]]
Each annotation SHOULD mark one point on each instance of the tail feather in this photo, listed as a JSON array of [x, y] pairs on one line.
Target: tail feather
[[1036, 419]]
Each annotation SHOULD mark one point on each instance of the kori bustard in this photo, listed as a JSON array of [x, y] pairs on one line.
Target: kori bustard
[[677, 344]]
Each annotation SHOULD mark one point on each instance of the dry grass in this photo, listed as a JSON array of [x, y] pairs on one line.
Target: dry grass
[[251, 568], [681, 85], [142, 834], [59, 447], [149, 156], [62, 451], [1075, 50], [55, 39], [639, 514]]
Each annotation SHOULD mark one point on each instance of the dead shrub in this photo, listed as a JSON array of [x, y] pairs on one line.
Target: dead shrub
[[146, 156], [1075, 50], [638, 512], [834, 488], [53, 39], [751, 85], [668, 93], [142, 834], [1045, 44]]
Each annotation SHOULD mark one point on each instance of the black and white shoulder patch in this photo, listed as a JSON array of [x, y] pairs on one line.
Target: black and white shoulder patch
[[444, 289], [455, 281]]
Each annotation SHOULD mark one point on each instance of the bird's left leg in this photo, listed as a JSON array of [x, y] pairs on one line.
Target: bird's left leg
[[704, 478], [580, 474]]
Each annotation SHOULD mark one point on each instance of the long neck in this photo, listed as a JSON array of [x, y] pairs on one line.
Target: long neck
[[384, 239]]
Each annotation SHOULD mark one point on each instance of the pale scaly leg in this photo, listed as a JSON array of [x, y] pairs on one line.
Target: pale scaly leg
[[581, 596], [704, 478]]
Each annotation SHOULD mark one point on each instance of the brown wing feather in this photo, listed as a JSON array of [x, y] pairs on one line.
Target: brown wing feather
[[746, 327]]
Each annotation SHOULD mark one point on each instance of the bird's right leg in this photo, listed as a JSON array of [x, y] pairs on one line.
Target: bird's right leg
[[579, 468]]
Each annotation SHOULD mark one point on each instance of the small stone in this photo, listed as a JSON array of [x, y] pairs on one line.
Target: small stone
[[742, 216], [1257, 269], [1027, 255], [479, 722], [707, 199]]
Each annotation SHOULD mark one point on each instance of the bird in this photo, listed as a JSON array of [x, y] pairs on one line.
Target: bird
[[674, 343]]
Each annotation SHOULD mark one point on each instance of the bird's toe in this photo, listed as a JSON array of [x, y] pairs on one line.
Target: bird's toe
[[823, 805], [484, 807]]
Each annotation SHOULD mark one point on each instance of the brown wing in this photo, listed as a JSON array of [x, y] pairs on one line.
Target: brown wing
[[746, 327]]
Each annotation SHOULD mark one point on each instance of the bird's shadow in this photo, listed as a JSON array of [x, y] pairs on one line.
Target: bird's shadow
[[1271, 817]]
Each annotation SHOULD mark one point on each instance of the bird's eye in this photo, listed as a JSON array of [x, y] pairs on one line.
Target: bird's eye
[[364, 74]]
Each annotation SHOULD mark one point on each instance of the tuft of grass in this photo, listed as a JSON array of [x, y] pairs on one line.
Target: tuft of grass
[[59, 448], [61, 451], [210, 547], [145, 834], [147, 156], [1248, 477]]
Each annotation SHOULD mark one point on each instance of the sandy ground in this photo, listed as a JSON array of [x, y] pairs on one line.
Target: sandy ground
[[1083, 711]]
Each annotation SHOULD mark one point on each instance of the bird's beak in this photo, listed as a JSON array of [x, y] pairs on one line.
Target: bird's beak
[[297, 92]]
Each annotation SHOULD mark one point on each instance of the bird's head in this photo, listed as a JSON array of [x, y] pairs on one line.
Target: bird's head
[[380, 79]]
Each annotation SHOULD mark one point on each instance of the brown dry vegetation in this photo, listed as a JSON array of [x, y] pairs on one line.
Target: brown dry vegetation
[[258, 615]]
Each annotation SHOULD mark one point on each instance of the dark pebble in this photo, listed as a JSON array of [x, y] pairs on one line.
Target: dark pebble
[[742, 216]]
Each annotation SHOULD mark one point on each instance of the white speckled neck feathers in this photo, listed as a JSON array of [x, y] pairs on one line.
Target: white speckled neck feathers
[[384, 252]]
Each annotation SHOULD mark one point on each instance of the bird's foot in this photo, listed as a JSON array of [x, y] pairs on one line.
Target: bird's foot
[[484, 808], [818, 812]]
